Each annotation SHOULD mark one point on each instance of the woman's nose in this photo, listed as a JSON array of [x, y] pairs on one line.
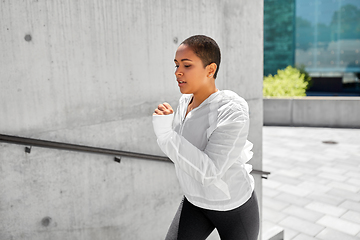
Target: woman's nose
[[178, 73]]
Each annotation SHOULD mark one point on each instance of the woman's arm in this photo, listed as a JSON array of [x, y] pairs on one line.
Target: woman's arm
[[224, 147]]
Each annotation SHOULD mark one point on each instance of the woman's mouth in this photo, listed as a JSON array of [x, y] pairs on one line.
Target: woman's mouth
[[180, 83]]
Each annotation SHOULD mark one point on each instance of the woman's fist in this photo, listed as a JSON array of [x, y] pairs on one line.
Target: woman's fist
[[163, 109]]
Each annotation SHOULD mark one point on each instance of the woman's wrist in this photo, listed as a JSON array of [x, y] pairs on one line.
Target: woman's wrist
[[162, 125]]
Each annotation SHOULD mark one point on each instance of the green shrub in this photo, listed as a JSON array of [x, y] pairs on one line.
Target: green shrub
[[290, 82], [307, 77]]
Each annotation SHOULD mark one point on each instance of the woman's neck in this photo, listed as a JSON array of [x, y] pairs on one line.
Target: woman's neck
[[198, 98]]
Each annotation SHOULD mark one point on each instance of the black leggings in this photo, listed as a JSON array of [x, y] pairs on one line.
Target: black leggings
[[191, 222]]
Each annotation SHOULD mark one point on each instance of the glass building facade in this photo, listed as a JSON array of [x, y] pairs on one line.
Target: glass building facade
[[279, 19], [321, 35]]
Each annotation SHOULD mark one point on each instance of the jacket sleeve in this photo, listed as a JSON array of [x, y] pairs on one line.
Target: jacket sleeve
[[225, 146]]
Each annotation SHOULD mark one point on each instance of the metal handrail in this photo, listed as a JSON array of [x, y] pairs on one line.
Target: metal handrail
[[81, 148]]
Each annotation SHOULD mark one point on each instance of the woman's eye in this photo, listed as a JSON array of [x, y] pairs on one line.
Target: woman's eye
[[187, 66]]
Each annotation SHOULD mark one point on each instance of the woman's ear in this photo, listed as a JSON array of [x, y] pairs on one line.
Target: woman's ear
[[211, 69]]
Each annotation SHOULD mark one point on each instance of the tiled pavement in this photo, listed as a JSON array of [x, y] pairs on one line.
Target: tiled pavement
[[313, 191]]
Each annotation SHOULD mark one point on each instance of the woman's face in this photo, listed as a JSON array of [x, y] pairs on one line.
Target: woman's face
[[190, 72]]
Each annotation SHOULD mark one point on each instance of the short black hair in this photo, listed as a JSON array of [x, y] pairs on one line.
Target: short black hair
[[206, 49]]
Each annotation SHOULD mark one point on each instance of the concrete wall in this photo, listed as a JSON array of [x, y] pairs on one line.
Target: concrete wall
[[91, 73], [341, 112]]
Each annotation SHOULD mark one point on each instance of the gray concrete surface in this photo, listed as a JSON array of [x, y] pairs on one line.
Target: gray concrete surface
[[313, 191], [341, 112], [91, 73]]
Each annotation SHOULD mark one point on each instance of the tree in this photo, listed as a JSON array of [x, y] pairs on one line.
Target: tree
[[348, 16]]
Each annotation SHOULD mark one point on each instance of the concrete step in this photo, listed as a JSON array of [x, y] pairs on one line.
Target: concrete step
[[275, 233]]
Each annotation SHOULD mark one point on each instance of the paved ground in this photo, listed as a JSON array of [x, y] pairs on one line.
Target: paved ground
[[313, 191]]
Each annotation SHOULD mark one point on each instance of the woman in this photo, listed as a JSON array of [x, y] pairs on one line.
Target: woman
[[207, 141]]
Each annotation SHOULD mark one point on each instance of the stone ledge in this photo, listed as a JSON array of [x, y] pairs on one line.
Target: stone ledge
[[275, 233], [342, 112]]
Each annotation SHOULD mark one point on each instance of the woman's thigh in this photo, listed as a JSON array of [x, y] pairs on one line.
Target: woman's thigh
[[240, 223], [189, 223]]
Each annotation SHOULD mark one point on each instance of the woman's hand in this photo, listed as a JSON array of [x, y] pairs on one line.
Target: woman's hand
[[163, 109]]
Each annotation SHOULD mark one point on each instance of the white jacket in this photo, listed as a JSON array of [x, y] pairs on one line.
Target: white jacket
[[209, 148]]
